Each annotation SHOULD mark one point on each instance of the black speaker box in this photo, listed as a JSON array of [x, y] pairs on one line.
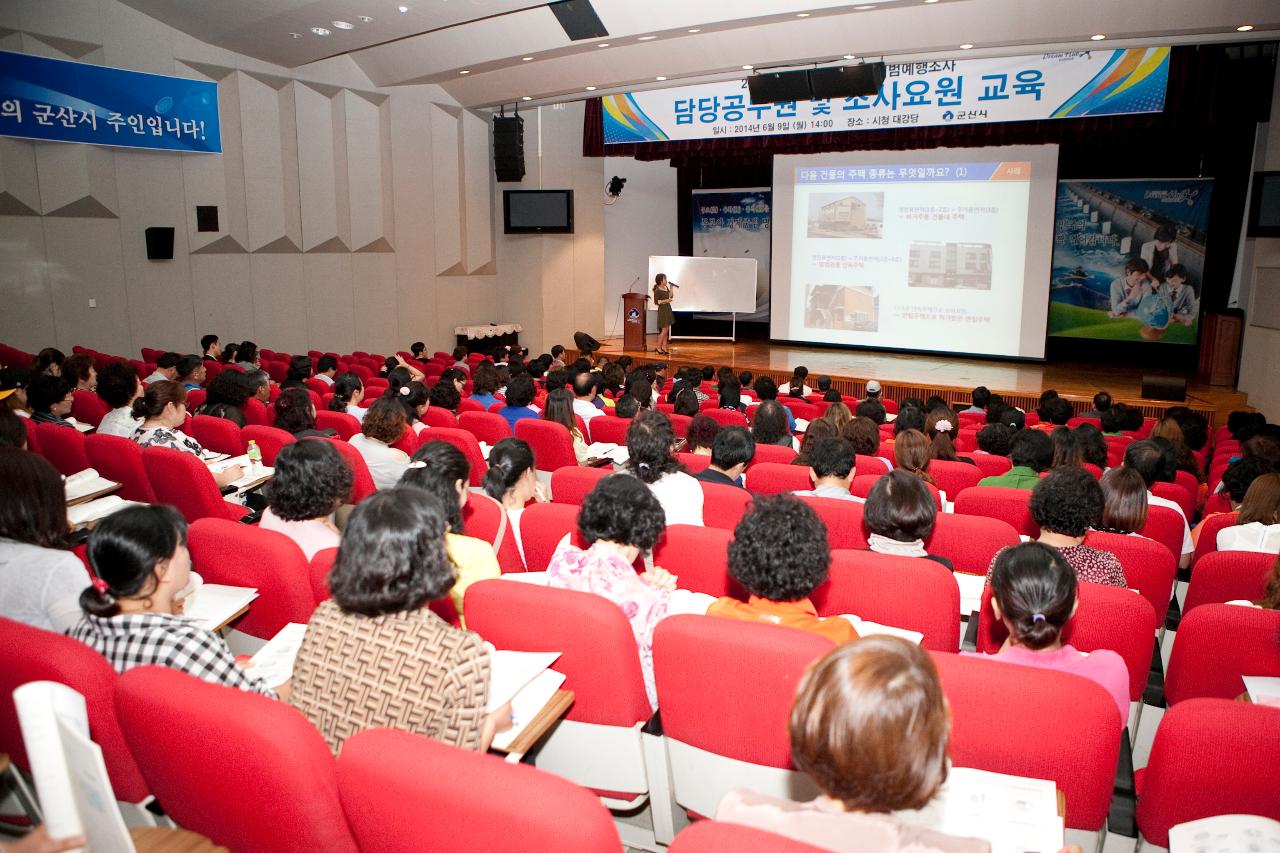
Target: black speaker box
[[508, 148], [206, 217], [159, 244], [1164, 388], [847, 81], [578, 19], [779, 87]]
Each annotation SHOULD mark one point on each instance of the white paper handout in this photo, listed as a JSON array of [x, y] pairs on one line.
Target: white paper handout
[[526, 704], [98, 509], [511, 671], [1226, 833], [86, 482], [971, 587], [1013, 813], [608, 450], [214, 603], [273, 663], [1263, 690], [867, 628]]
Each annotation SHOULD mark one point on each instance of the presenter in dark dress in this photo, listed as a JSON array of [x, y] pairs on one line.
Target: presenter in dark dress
[[662, 296]]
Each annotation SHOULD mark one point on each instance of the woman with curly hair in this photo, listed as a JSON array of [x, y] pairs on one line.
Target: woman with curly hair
[[310, 482], [780, 555], [382, 427], [651, 448], [864, 437], [484, 382], [225, 397], [620, 520], [296, 415], [701, 434], [1066, 504], [769, 425]]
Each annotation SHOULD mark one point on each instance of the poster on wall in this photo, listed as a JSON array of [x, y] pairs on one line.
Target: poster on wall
[[1128, 259], [1066, 84], [736, 223]]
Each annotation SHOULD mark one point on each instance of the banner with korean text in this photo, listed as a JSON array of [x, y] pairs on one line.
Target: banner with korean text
[[60, 101], [967, 91]]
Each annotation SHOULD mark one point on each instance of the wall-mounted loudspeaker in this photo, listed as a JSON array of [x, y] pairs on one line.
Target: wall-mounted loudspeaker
[[843, 81], [206, 217], [1164, 388], [159, 244], [508, 148]]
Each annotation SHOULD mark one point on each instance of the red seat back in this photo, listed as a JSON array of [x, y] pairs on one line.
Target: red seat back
[[771, 453], [318, 571], [718, 678], [438, 417], [265, 780], [88, 407], [699, 558], [1179, 495], [33, 437], [551, 442], [542, 526], [1148, 566], [970, 542], [598, 653], [1224, 576], [904, 592], [362, 481], [843, 520], [340, 422], [1010, 505], [992, 466], [723, 506], [1208, 541], [571, 485], [120, 459], [217, 434], [256, 412], [1216, 645], [484, 518], [611, 430], [183, 480], [775, 478], [1210, 757], [269, 440], [464, 441], [485, 426], [240, 555], [389, 779], [954, 477], [1165, 526], [62, 446], [726, 417], [693, 462], [33, 654], [710, 836]]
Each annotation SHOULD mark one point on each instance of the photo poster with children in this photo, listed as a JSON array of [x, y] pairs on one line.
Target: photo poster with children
[[1128, 259], [736, 223]]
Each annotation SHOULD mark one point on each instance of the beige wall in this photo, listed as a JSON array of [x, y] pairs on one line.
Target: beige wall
[[351, 217]]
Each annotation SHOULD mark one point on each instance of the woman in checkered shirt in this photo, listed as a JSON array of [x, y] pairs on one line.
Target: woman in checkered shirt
[[140, 562]]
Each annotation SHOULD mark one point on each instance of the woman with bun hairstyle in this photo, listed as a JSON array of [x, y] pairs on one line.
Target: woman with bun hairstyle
[[163, 411], [512, 481], [1033, 592], [348, 393], [940, 427]]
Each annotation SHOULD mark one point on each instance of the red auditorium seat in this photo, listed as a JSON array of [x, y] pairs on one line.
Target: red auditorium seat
[[680, 424], [484, 518], [1208, 541], [1224, 576], [242, 555], [610, 430], [992, 466], [340, 422], [1216, 645], [572, 484], [183, 480], [1148, 566], [217, 434], [551, 443], [775, 478], [88, 407], [256, 412], [699, 558], [542, 526], [464, 441], [438, 417], [692, 462], [954, 477], [711, 836], [843, 520], [726, 417], [261, 779], [407, 442], [485, 426], [270, 440], [1210, 757], [120, 459], [903, 592], [1165, 526], [970, 542], [771, 453], [62, 446], [723, 506], [1178, 494], [318, 572], [362, 481], [1010, 505], [389, 779]]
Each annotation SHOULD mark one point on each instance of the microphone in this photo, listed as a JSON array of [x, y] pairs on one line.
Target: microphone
[[672, 283], [631, 288]]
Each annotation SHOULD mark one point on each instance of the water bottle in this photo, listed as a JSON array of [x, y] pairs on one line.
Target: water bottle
[[254, 453]]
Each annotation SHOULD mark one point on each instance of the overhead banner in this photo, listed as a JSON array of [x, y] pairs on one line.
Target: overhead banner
[[59, 101], [736, 224], [1128, 259], [915, 94]]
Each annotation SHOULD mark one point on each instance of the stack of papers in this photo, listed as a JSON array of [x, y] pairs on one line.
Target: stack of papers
[[274, 662], [212, 456], [81, 427], [213, 604], [608, 450], [86, 482], [97, 510]]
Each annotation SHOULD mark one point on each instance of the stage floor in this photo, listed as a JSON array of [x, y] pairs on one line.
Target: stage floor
[[953, 375]]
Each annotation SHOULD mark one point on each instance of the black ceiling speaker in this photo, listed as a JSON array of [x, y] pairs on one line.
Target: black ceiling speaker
[[847, 81], [579, 19], [508, 148], [779, 86]]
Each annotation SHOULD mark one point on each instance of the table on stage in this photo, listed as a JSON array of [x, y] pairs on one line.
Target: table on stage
[[484, 337]]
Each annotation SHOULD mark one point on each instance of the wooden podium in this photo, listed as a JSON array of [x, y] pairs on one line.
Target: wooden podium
[[633, 320]]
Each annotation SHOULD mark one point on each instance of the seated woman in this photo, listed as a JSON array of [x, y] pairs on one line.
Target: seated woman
[[940, 427], [79, 370], [443, 470], [1033, 592], [48, 362], [1124, 502], [132, 614], [50, 399], [818, 430], [780, 555], [484, 382], [730, 393], [899, 515], [118, 387], [864, 437], [230, 354], [837, 414], [348, 394], [1066, 504], [701, 435], [162, 410], [300, 367], [446, 393], [519, 395], [415, 399], [559, 409], [310, 482], [382, 427], [390, 566], [912, 453], [620, 519], [686, 402], [296, 415], [1258, 526], [769, 425], [870, 726], [40, 578], [512, 481], [227, 394], [13, 389], [651, 448]]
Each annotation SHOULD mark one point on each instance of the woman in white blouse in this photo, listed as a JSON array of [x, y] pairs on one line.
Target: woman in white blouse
[[383, 425], [651, 449], [1258, 526], [512, 481], [119, 387], [163, 410]]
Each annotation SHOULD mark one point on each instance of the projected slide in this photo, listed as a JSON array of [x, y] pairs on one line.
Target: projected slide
[[944, 251]]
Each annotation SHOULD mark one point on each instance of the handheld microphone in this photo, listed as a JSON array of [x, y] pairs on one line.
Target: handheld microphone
[[672, 283]]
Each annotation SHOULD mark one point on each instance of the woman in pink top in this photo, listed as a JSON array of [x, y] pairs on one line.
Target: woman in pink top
[[310, 481], [1034, 593]]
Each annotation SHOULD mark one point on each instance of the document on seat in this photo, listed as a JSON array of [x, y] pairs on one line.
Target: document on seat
[[867, 628], [1226, 833], [87, 482], [509, 672], [1015, 814], [1263, 690], [971, 587], [253, 474], [97, 510], [80, 426], [213, 605], [526, 704], [608, 450], [273, 663]]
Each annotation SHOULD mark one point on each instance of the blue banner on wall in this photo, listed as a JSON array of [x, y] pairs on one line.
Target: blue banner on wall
[[60, 101]]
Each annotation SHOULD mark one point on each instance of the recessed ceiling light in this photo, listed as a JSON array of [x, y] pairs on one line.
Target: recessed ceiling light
[[344, 25], [694, 30], [526, 59], [320, 31], [464, 71], [849, 56], [1244, 28], [802, 14], [747, 67], [404, 9], [930, 1], [591, 88], [364, 19], [1097, 37], [646, 38], [526, 98], [659, 79], [966, 46], [295, 35], [603, 44]]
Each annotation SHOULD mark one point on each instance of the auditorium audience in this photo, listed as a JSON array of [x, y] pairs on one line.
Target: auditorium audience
[[296, 414], [512, 480], [415, 399], [1156, 465], [769, 424], [911, 453], [50, 399], [13, 389], [899, 515], [1033, 592], [873, 410], [1101, 403], [225, 397], [940, 427], [166, 368], [326, 368], [248, 357], [994, 439], [229, 354], [210, 348], [871, 726], [979, 397], [585, 387], [700, 435], [484, 382], [1124, 502], [519, 395], [13, 430], [132, 607], [779, 554], [831, 462], [686, 402], [864, 437], [731, 452], [817, 430], [79, 370], [1258, 526], [162, 410], [40, 578], [651, 450], [443, 470], [299, 372], [1030, 451], [798, 378], [310, 481], [559, 409], [730, 393], [446, 393], [348, 394], [48, 362], [390, 566], [383, 426]]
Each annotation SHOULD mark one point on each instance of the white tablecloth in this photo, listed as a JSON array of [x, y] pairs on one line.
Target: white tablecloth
[[488, 330]]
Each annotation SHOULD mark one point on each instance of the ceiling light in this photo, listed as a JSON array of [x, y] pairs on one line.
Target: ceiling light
[[850, 56], [802, 14], [646, 38], [1097, 37], [747, 67], [1244, 28], [930, 1], [344, 25], [320, 31], [364, 19], [526, 59], [295, 35], [659, 79], [527, 98], [591, 88], [966, 47], [464, 71], [404, 9], [603, 44], [694, 30]]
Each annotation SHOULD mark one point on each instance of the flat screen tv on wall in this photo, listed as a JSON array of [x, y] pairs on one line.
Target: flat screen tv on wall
[[537, 211]]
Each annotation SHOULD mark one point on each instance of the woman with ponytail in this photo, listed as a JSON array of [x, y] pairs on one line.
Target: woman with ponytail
[[940, 427], [348, 392], [133, 608], [512, 481], [1033, 592], [163, 411]]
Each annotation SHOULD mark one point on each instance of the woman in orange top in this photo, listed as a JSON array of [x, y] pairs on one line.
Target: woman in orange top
[[780, 554]]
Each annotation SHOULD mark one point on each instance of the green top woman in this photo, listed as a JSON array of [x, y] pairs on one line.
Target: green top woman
[[662, 296]]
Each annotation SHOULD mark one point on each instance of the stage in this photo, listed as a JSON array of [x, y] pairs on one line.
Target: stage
[[919, 374]]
